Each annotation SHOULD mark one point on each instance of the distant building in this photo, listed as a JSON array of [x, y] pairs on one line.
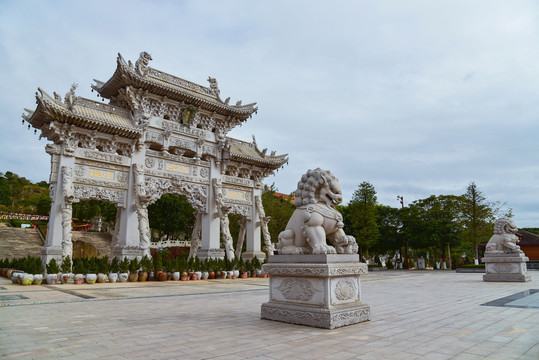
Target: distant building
[[529, 243], [285, 197]]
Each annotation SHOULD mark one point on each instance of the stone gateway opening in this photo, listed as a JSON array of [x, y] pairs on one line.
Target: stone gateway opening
[[158, 134]]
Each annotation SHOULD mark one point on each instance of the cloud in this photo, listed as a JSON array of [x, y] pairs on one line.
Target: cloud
[[417, 97]]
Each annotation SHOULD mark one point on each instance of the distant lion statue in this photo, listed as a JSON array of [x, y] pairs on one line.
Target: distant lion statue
[[504, 238], [315, 218]]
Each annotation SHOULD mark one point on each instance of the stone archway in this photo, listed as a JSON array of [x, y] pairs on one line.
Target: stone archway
[[158, 134]]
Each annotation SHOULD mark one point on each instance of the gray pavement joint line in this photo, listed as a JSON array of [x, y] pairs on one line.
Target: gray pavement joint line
[[74, 293], [122, 298]]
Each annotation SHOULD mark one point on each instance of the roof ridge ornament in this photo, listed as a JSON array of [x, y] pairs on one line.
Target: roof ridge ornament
[[141, 66], [70, 97], [214, 88]]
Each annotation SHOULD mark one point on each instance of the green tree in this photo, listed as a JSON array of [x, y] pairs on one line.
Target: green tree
[[360, 217], [171, 214], [434, 222], [88, 209], [478, 217], [389, 225], [278, 208]]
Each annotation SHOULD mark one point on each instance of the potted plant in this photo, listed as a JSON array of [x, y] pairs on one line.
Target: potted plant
[[52, 271], [114, 269], [158, 268], [27, 267], [146, 266], [211, 268], [91, 270], [78, 269], [256, 267], [66, 270], [134, 266], [37, 271], [176, 269], [204, 269], [124, 268], [103, 269]]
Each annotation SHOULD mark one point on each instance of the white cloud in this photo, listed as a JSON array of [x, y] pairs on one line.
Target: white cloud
[[417, 97]]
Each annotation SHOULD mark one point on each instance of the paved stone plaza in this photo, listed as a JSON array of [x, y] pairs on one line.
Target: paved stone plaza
[[414, 314]]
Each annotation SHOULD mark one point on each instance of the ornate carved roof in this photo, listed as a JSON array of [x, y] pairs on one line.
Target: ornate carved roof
[[81, 112], [249, 153], [163, 84]]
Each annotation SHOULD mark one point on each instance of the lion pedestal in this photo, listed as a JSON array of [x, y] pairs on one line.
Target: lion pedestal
[[506, 267], [319, 290], [504, 260]]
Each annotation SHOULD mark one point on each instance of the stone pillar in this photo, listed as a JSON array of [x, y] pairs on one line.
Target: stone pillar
[[253, 242], [128, 244], [321, 290], [55, 228], [210, 239]]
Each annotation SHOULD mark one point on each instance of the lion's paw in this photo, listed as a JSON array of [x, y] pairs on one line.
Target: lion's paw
[[324, 249]]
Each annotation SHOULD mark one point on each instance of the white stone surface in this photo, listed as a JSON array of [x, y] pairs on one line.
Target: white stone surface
[[320, 290], [504, 260], [316, 219]]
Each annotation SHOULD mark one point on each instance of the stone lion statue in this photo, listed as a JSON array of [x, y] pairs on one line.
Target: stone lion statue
[[316, 219], [504, 238]]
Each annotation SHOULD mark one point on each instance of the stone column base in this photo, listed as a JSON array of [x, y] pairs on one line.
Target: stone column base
[[249, 255], [315, 290], [129, 252], [51, 252], [211, 253], [506, 267]]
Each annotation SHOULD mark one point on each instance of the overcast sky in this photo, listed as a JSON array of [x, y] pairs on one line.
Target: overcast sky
[[417, 97]]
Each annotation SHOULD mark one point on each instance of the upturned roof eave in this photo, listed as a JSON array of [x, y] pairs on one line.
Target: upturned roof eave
[[48, 105], [124, 76]]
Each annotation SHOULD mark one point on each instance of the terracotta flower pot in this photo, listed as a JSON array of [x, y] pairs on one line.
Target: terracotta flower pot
[[142, 275], [194, 276], [77, 278], [161, 276], [211, 275], [132, 277]]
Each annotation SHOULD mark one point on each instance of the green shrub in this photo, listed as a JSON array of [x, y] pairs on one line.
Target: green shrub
[[115, 265], [52, 267], [66, 265], [473, 266]]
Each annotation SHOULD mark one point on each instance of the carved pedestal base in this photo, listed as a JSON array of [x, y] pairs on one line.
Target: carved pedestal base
[[315, 290], [506, 267]]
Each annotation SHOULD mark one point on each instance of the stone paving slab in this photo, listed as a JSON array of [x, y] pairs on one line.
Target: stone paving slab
[[415, 315]]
